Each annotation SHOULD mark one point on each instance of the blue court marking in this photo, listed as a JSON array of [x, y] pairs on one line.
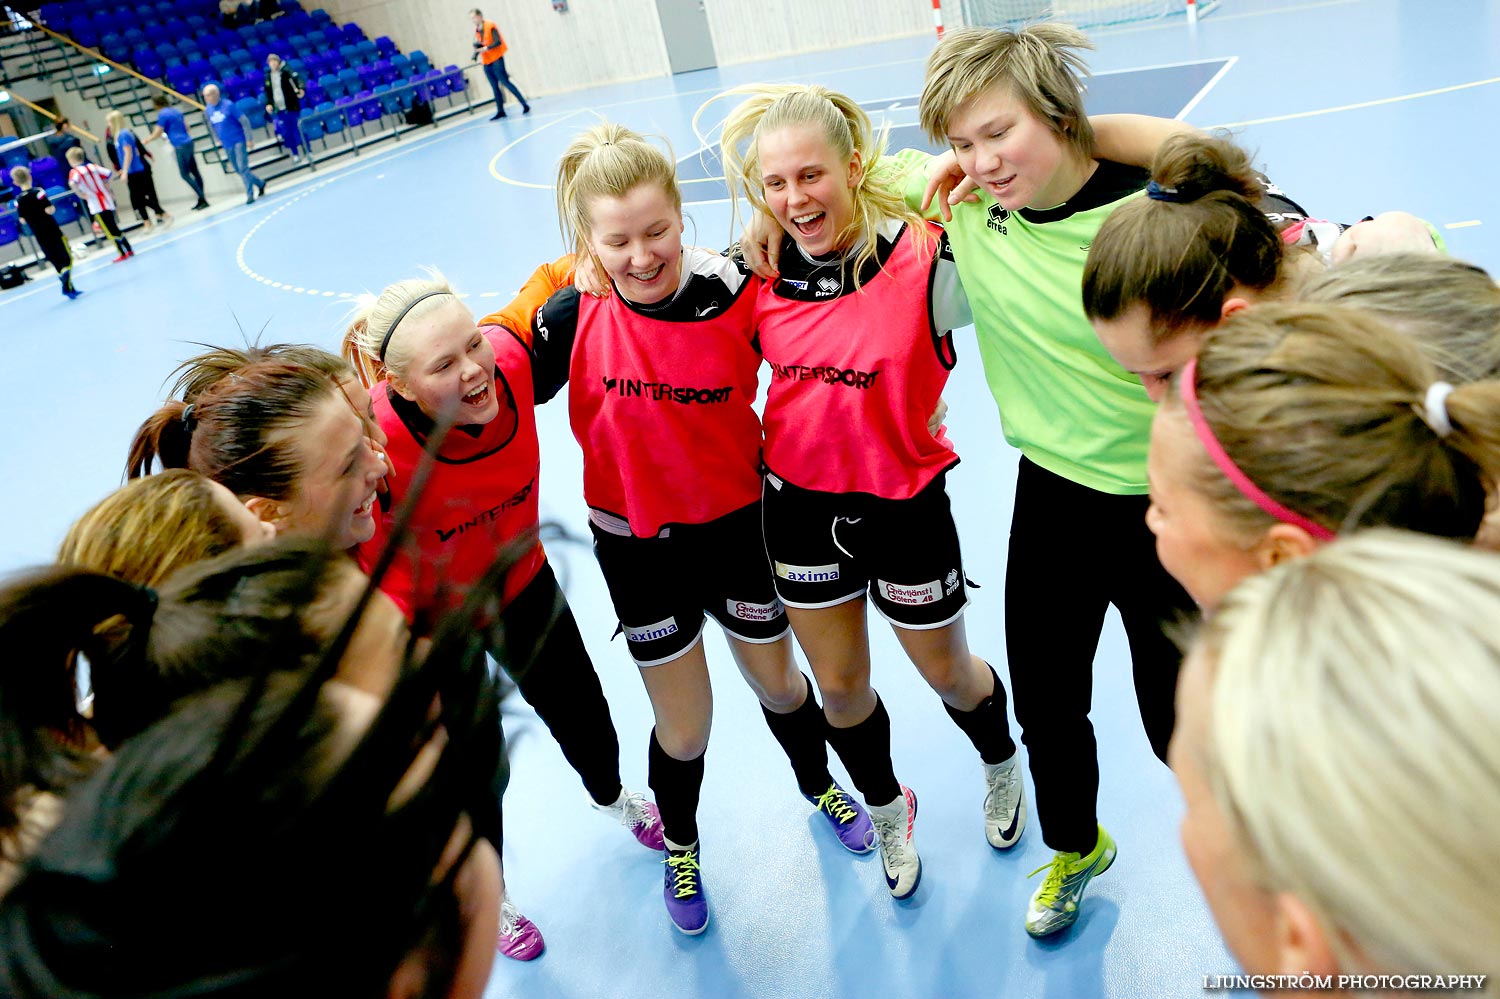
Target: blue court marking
[[1165, 91]]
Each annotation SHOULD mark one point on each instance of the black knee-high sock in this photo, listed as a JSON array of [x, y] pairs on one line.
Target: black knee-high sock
[[802, 734], [866, 751], [986, 726], [677, 784]]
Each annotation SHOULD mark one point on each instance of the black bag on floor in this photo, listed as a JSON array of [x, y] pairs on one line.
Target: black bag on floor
[[12, 276], [420, 113]]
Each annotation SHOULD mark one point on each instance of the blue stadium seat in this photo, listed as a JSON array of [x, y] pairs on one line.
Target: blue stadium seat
[[437, 83], [368, 77], [290, 8], [47, 173], [15, 156], [332, 86], [456, 82], [367, 51], [346, 111], [419, 61], [401, 66], [180, 80], [200, 71], [350, 79], [385, 72], [372, 109], [385, 48], [311, 123], [315, 94], [65, 209], [84, 34], [247, 106], [320, 16], [332, 35], [350, 55], [353, 33], [389, 104], [10, 228], [148, 64]]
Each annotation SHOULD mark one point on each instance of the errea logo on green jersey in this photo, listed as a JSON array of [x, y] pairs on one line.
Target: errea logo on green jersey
[[997, 218]]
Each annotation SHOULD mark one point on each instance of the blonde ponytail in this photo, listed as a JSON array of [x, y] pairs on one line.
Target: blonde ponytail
[[1327, 410]]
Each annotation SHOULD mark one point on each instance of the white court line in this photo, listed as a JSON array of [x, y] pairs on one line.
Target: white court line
[[495, 160], [1471, 223], [1362, 104], [1182, 115]]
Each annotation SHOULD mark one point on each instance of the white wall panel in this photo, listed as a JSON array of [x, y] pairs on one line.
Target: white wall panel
[[595, 42], [745, 30]]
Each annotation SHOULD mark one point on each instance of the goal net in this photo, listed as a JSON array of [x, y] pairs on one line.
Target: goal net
[[1084, 13]]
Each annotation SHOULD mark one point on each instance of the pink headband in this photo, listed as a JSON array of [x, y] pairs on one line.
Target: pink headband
[[1188, 388]]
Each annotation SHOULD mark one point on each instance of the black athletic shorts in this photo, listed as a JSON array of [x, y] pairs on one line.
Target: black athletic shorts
[[829, 548], [662, 587]]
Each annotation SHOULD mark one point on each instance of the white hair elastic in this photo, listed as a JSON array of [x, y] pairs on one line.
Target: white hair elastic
[[1435, 408]]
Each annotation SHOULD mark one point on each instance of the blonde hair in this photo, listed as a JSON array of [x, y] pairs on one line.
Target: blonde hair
[[75, 155], [373, 316], [1038, 64], [1324, 408], [151, 527], [20, 176], [1352, 745], [1450, 307], [1181, 256], [607, 161], [847, 130], [115, 119]]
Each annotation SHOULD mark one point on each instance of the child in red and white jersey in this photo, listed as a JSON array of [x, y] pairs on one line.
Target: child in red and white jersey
[[90, 181]]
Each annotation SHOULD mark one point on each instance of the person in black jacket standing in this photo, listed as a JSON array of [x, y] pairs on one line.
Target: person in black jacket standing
[[283, 92], [36, 211]]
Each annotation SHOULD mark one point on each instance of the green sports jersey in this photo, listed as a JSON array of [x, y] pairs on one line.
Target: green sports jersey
[[1064, 402]]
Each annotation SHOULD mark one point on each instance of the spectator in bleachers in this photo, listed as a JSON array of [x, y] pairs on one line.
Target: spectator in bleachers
[[36, 211], [231, 127], [137, 177], [267, 9], [490, 49], [284, 92], [61, 140], [171, 123], [229, 13], [90, 181]]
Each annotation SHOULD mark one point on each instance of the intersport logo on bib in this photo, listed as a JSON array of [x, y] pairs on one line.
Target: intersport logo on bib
[[851, 377], [628, 388]]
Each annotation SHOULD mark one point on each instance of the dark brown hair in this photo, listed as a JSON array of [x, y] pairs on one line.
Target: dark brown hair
[[1181, 250], [234, 432]]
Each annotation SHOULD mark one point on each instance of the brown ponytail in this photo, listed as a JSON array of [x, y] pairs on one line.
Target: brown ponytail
[[164, 438], [1183, 249]]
